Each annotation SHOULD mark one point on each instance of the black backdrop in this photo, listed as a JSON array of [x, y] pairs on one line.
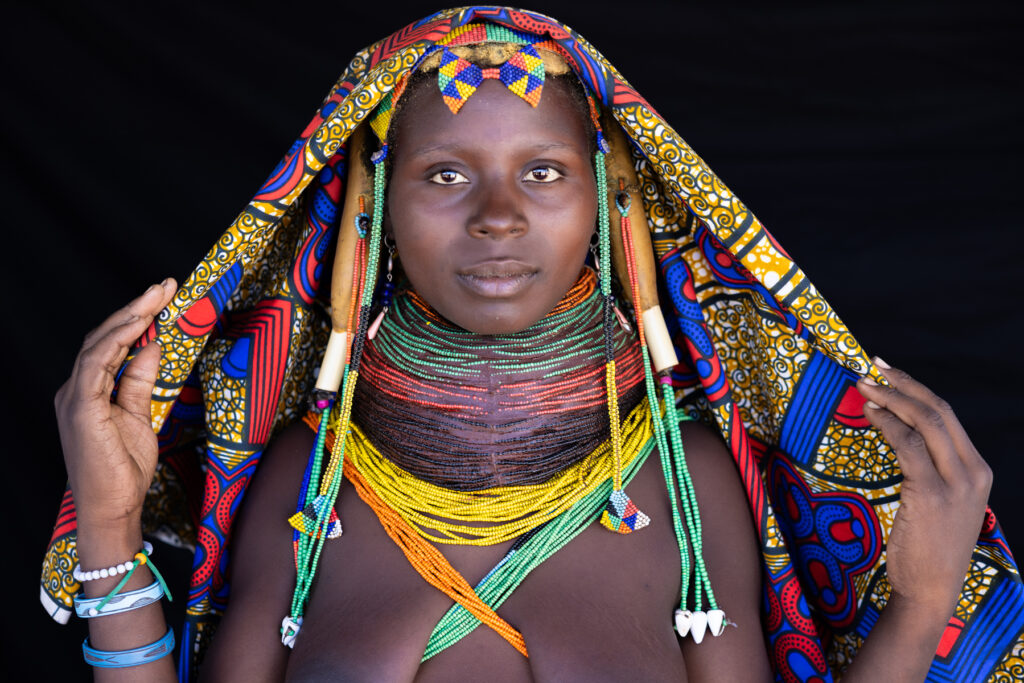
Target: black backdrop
[[880, 143]]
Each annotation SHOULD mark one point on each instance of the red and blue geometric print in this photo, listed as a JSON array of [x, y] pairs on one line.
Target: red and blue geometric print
[[244, 334], [793, 638], [834, 537], [970, 651]]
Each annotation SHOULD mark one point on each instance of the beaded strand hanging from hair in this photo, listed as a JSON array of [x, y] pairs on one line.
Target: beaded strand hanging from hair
[[318, 521], [620, 514], [670, 445]]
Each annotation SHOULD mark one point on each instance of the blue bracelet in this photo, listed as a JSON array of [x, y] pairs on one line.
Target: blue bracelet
[[88, 608], [122, 658]]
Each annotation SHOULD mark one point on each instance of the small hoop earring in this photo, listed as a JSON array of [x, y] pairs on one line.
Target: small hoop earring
[[594, 242]]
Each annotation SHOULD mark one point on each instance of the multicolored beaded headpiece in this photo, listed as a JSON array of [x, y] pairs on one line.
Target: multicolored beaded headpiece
[[459, 78], [518, 60]]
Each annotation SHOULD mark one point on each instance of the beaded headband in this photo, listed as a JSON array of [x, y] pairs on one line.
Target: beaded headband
[[459, 78], [473, 53]]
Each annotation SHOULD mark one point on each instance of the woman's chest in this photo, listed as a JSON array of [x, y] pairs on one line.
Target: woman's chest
[[600, 608]]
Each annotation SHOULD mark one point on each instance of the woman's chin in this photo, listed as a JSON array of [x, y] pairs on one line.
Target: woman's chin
[[497, 316]]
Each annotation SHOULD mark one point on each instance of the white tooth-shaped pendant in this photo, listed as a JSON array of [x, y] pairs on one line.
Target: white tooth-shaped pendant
[[375, 325], [716, 622], [699, 626], [684, 618]]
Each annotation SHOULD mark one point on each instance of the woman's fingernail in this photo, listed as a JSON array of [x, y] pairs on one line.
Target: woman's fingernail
[[869, 381], [872, 404], [151, 288], [882, 364], [164, 283]]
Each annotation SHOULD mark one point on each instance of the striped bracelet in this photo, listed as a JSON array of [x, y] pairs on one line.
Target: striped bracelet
[[124, 602], [117, 659]]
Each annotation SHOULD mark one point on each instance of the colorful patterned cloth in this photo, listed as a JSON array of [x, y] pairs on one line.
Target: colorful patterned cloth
[[765, 359]]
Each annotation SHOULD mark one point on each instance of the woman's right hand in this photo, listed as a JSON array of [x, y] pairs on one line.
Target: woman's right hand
[[110, 449]]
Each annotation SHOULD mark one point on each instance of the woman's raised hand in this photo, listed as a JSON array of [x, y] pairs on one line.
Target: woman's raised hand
[[945, 488], [109, 446]]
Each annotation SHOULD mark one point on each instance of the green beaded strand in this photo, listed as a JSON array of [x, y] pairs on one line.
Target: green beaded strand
[[500, 583], [689, 498], [303, 550], [334, 483], [373, 254], [310, 548], [665, 458], [604, 241], [664, 453]]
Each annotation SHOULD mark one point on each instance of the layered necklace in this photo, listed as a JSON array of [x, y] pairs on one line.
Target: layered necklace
[[466, 411], [467, 439]]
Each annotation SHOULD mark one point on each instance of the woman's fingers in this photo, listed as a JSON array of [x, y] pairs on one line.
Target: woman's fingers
[[909, 446], [941, 490], [921, 438], [146, 305], [108, 345], [96, 366], [135, 390], [908, 385]]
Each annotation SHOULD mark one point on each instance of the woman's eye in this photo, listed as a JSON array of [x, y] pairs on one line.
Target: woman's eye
[[543, 174], [448, 177]]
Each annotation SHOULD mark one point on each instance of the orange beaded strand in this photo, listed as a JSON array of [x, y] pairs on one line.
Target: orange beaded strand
[[424, 557]]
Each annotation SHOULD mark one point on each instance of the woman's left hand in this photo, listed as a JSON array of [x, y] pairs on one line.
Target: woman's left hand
[[944, 492]]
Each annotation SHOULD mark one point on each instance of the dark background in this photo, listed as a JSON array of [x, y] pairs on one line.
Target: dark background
[[879, 142]]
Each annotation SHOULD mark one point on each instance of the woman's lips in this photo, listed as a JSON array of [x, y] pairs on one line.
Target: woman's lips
[[497, 279]]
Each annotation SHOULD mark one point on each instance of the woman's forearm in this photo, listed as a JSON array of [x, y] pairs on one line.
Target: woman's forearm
[[901, 645], [99, 548]]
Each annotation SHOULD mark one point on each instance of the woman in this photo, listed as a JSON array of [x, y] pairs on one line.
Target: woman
[[496, 186]]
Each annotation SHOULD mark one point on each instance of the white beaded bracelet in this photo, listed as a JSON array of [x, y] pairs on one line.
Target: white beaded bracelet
[[80, 575]]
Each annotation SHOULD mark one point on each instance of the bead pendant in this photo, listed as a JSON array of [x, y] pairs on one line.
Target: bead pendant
[[699, 626], [290, 630], [716, 622], [621, 514], [375, 325], [623, 322], [684, 618], [306, 521]]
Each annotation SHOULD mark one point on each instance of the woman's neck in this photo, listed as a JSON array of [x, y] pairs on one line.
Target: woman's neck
[[470, 411]]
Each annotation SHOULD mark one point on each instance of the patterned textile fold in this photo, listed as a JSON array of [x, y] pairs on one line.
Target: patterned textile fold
[[764, 358]]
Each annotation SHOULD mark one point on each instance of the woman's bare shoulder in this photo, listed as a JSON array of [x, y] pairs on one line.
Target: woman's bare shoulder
[[262, 572]]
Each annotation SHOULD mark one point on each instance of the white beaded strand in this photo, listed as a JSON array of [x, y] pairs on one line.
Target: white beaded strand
[[106, 572]]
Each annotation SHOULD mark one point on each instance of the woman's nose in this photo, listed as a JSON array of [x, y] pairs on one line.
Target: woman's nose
[[499, 211]]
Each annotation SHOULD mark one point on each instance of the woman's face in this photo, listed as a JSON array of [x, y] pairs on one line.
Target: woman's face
[[492, 208]]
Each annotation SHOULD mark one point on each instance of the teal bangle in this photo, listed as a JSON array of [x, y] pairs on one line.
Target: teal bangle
[[122, 658]]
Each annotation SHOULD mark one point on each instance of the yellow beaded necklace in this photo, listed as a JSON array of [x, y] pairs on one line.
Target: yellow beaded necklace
[[496, 514]]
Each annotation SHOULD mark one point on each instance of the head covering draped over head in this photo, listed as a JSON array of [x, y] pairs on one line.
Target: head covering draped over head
[[763, 358]]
